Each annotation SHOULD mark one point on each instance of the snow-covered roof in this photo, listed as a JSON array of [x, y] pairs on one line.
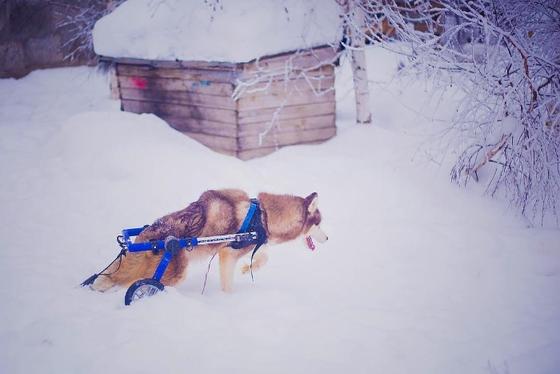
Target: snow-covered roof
[[236, 31]]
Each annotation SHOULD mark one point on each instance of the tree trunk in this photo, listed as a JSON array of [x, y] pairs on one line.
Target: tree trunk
[[358, 61]]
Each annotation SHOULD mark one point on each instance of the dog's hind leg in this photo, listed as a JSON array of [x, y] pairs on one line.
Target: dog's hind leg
[[260, 259]]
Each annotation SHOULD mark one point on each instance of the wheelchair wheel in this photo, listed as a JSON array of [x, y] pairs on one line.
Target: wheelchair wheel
[[142, 288]]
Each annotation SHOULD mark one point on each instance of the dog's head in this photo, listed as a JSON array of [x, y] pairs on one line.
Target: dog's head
[[312, 230]]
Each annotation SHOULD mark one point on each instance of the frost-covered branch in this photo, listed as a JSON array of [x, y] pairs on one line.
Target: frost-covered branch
[[289, 75], [78, 21], [507, 54]]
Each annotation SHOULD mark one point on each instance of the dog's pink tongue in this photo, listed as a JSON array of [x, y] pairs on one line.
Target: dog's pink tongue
[[310, 243]]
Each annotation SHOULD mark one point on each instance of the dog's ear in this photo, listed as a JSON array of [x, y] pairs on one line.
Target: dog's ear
[[311, 202]]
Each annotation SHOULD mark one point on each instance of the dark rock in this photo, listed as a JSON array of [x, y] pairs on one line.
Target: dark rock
[[44, 51], [12, 60]]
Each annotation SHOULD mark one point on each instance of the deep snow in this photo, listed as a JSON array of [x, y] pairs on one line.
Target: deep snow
[[239, 30], [418, 276]]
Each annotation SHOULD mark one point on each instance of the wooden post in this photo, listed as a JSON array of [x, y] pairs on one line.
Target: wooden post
[[358, 60], [114, 82]]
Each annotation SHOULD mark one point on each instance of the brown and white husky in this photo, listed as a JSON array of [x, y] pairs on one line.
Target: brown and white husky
[[218, 212]]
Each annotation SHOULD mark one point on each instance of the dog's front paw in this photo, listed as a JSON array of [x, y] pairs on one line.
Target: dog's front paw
[[246, 268]]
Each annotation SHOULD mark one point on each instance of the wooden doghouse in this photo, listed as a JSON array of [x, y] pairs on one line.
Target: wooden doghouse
[[242, 109]]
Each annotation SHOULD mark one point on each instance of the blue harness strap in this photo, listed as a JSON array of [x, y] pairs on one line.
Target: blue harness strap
[[248, 217], [252, 223]]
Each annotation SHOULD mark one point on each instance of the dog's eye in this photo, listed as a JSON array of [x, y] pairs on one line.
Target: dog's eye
[[317, 218]]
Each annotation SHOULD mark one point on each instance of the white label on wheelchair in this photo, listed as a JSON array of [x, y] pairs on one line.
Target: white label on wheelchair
[[225, 238]]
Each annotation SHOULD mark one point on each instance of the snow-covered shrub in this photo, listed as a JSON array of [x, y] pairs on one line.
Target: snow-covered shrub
[[76, 19], [507, 56]]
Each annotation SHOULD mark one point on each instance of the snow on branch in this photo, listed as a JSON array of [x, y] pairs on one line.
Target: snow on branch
[[77, 20], [505, 56]]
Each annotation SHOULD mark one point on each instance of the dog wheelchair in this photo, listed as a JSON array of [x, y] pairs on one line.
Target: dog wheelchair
[[251, 232]]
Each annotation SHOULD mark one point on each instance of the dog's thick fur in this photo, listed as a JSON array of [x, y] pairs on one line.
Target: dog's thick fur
[[217, 212]]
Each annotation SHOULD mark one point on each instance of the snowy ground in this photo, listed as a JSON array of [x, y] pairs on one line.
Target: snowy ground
[[418, 276]]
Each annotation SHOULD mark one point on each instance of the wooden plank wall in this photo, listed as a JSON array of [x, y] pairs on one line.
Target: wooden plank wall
[[293, 104], [196, 99]]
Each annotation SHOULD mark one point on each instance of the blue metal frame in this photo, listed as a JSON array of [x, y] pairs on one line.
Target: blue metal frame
[[167, 256], [182, 243], [155, 245]]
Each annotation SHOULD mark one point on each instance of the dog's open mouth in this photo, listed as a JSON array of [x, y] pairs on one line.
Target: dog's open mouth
[[309, 242]]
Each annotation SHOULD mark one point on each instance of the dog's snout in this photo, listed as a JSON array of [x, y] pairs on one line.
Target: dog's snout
[[318, 234]]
